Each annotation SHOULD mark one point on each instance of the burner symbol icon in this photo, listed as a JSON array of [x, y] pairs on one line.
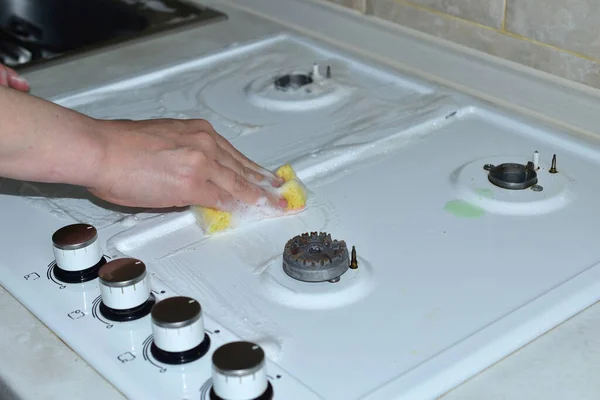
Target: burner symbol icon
[[76, 314], [126, 357]]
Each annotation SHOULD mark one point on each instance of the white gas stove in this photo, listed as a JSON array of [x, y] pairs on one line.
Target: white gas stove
[[473, 230]]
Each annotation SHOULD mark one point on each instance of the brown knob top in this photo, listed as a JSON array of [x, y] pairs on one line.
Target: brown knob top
[[73, 237], [122, 272], [238, 358], [176, 312]]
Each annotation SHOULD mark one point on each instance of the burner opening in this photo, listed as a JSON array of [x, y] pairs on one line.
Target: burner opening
[[315, 250], [512, 176], [292, 81]]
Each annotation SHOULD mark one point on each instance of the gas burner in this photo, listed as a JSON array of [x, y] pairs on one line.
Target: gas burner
[[295, 90], [77, 253], [178, 330], [295, 81], [315, 257], [292, 81], [125, 290], [512, 176]]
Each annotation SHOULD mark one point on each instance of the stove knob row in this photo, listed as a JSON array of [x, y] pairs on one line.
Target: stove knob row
[[77, 253], [238, 368]]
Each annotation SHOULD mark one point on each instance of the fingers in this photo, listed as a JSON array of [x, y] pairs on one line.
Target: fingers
[[227, 160], [245, 161], [215, 197], [10, 78], [17, 82], [234, 184], [261, 172], [239, 187]]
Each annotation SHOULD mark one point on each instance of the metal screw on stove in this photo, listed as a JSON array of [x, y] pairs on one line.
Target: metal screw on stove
[[328, 72], [553, 169], [537, 188], [353, 262]]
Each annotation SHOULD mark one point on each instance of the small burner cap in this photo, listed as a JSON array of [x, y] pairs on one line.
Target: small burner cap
[[176, 312], [122, 272], [292, 81], [73, 237], [238, 359], [512, 176]]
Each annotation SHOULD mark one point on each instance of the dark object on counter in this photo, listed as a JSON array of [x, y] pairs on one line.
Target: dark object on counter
[[34, 31]]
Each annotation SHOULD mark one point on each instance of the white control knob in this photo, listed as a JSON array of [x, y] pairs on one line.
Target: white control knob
[[239, 373], [178, 331], [76, 247], [124, 284]]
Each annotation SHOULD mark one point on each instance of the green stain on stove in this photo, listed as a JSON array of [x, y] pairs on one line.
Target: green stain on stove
[[461, 208], [484, 192]]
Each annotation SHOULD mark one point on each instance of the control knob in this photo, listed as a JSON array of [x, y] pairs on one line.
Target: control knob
[[77, 253], [178, 331], [125, 290], [239, 373]]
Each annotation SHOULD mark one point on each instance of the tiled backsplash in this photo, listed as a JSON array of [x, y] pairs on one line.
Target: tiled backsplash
[[561, 37]]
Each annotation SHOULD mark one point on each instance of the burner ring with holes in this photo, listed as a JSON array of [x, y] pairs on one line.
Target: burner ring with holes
[[315, 257]]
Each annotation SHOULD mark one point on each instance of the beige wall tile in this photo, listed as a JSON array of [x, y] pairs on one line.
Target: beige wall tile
[[490, 41], [359, 5], [568, 24], [486, 12]]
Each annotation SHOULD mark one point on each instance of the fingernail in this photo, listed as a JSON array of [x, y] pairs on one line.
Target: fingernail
[[19, 79], [277, 182]]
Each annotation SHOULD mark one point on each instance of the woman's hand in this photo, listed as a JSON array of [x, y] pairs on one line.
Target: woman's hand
[[173, 163], [9, 78]]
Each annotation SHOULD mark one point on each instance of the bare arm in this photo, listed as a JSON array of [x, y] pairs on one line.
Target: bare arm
[[44, 142], [153, 163]]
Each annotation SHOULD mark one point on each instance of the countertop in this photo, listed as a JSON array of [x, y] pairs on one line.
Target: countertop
[[558, 365]]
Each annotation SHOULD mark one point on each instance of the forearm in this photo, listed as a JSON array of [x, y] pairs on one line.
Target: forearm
[[43, 142]]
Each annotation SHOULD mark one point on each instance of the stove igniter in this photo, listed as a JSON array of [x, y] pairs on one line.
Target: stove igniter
[[77, 253], [315, 257], [178, 330], [125, 290], [512, 176], [239, 373], [292, 81]]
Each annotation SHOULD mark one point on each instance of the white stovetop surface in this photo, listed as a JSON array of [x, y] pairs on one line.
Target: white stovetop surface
[[545, 372]]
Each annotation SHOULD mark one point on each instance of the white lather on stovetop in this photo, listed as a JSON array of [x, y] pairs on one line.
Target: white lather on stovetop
[[453, 272]]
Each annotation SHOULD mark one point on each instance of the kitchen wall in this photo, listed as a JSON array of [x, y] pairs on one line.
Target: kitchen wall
[[561, 37]]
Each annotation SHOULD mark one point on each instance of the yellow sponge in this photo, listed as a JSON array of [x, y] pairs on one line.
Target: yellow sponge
[[286, 172], [292, 190], [212, 220]]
